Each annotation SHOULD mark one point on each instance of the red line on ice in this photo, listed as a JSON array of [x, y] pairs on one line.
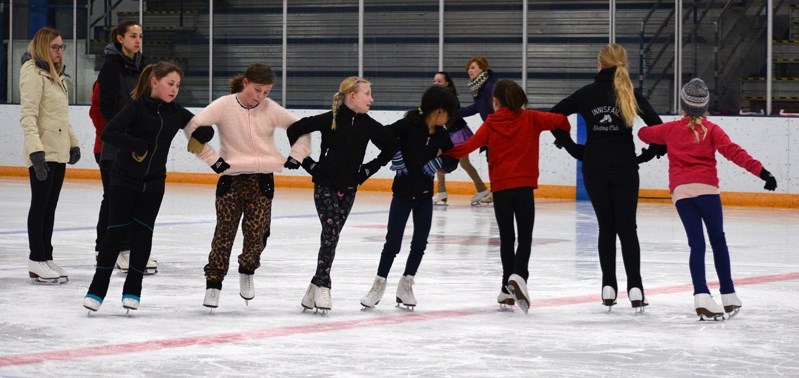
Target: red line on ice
[[259, 334]]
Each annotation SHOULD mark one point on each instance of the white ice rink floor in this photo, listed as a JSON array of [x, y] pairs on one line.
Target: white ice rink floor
[[456, 329]]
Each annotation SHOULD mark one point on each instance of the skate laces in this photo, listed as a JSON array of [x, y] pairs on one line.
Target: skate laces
[[377, 291], [408, 284], [324, 295]]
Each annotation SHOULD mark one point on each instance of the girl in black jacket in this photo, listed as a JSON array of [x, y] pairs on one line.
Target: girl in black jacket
[[143, 132], [117, 79], [610, 167], [346, 132], [422, 137]]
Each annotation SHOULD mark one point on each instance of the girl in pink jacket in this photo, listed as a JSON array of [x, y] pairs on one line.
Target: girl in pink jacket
[[246, 120], [692, 143]]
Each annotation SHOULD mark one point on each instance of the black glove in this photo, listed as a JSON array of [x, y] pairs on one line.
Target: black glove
[[564, 140], [575, 150], [646, 155], [292, 163], [658, 149], [308, 164], [771, 182], [366, 171], [199, 138], [74, 155], [220, 166], [39, 165], [203, 134]]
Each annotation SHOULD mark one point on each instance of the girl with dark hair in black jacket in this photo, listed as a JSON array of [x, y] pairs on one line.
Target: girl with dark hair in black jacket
[[422, 137], [143, 132]]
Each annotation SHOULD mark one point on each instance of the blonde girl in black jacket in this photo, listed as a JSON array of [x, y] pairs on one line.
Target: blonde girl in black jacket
[[346, 132]]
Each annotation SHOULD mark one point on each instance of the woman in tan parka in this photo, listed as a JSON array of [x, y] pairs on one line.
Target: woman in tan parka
[[50, 143]]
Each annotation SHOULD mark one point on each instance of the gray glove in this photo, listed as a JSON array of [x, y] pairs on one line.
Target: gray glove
[[74, 155], [39, 165]]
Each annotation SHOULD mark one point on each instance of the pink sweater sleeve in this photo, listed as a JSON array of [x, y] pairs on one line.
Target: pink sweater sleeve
[[210, 115]]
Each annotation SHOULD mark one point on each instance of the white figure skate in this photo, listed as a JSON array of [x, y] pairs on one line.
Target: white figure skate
[[706, 307], [405, 295], [375, 294]]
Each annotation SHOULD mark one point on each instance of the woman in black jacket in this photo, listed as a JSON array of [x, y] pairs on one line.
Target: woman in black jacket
[[346, 132], [422, 137], [143, 132], [610, 167], [117, 79]]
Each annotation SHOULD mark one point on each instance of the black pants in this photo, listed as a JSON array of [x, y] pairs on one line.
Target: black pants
[[614, 196], [102, 218], [130, 213], [517, 204], [41, 214], [398, 213]]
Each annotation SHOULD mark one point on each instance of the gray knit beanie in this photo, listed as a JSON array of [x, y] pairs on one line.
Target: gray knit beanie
[[694, 97]]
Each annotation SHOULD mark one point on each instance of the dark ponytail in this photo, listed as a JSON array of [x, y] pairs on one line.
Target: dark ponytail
[[510, 95], [435, 97], [256, 73]]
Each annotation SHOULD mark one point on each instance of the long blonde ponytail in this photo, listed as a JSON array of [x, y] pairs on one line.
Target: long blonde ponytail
[[614, 55]]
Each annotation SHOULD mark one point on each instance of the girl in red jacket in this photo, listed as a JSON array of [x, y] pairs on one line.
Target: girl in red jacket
[[511, 134], [692, 143]]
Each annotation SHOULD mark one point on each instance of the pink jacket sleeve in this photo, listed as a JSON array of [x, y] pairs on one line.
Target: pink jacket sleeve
[[734, 152]]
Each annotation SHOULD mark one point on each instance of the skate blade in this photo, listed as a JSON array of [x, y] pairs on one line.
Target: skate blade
[[504, 307], [149, 272], [321, 311], [705, 314], [45, 281], [367, 307], [406, 307], [521, 301], [731, 314]]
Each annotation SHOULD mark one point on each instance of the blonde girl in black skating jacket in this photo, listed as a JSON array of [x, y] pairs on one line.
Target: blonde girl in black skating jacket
[[346, 132], [609, 106], [422, 137], [142, 131]]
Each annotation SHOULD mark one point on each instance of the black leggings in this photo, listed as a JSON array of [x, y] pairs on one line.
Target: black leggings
[[102, 217], [130, 213], [515, 204], [614, 196], [41, 214]]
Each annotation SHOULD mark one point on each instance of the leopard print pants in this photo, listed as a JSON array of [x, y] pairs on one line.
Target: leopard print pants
[[250, 196]]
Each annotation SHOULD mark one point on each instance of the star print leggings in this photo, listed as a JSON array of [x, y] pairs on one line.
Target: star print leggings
[[333, 207]]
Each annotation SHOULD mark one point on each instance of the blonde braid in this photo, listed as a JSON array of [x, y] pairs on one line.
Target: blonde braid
[[337, 100], [697, 120]]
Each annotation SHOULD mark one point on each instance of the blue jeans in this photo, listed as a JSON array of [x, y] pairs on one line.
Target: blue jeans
[[398, 214], [693, 211]]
